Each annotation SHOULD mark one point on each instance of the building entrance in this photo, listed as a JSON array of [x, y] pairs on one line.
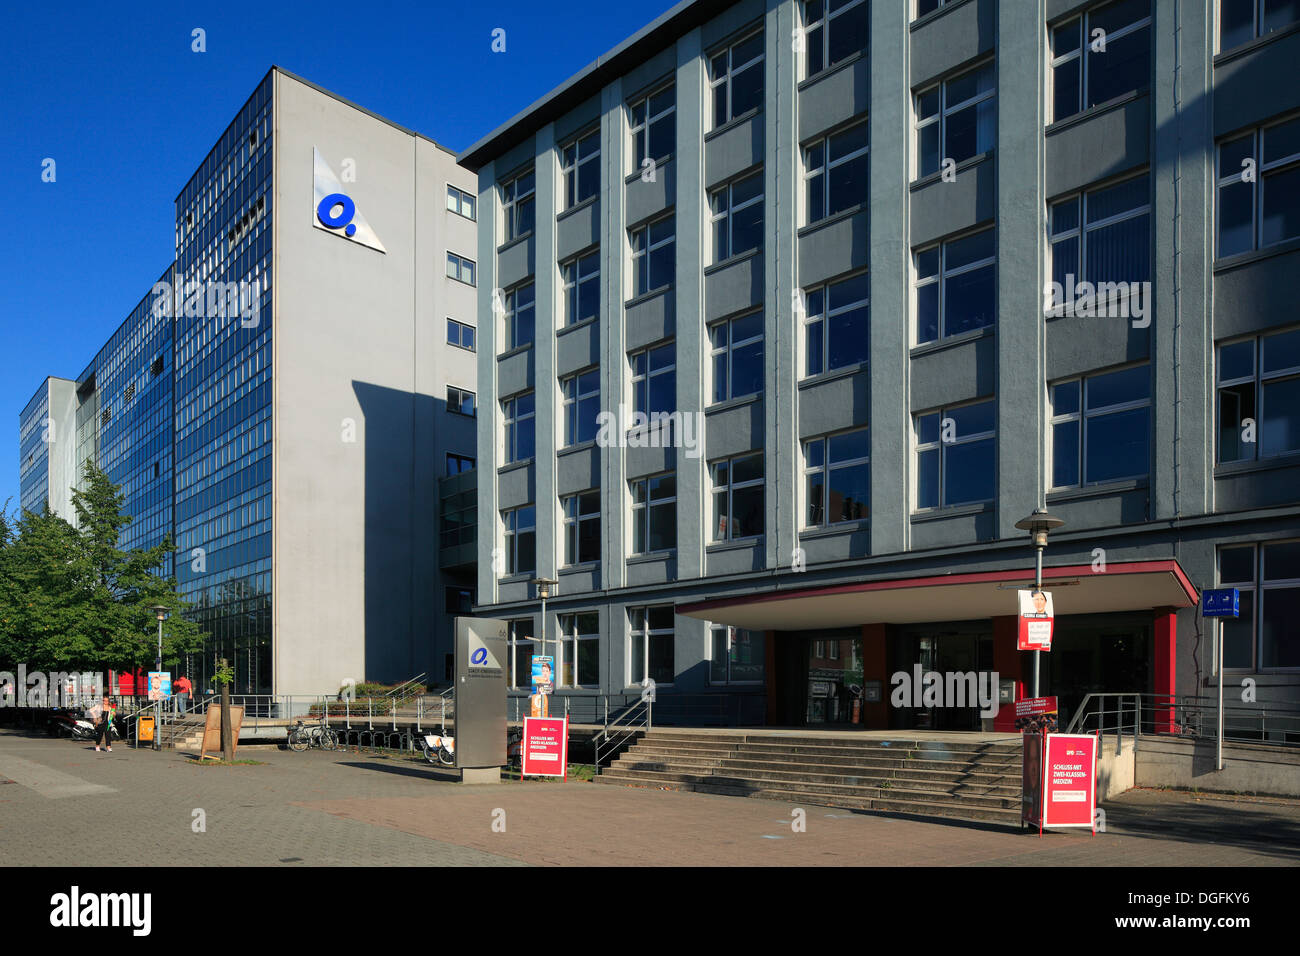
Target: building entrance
[[943, 649], [834, 678]]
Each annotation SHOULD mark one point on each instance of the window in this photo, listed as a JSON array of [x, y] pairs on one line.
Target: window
[[650, 650], [837, 331], [519, 421], [458, 600], [1241, 21], [520, 526], [653, 256], [835, 172], [1110, 242], [517, 205], [581, 277], [580, 650], [833, 30], [460, 202], [738, 497], [1101, 428], [955, 120], [737, 217], [581, 527], [956, 456], [737, 349], [1263, 636], [519, 317], [837, 478], [1259, 397], [460, 400], [1100, 55], [521, 654], [460, 268], [955, 287], [460, 334], [1259, 188], [458, 464], [736, 79], [654, 513], [929, 6], [654, 379], [737, 655], [581, 406], [653, 122], [580, 167]]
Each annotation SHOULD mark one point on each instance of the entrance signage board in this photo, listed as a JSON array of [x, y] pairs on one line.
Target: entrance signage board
[[545, 750], [1069, 780], [482, 648], [1035, 624], [1221, 602]]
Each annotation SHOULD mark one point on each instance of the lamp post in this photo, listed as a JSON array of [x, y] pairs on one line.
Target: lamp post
[[545, 589], [1038, 523], [161, 611]]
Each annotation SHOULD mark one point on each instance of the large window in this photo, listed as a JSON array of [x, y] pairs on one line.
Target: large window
[[650, 644], [833, 31], [1263, 636], [1101, 236], [520, 435], [518, 206], [837, 330], [654, 513], [837, 478], [737, 217], [581, 277], [1241, 21], [956, 288], [1101, 427], [580, 649], [1259, 188], [737, 352], [581, 527], [653, 122], [460, 268], [736, 655], [458, 464], [738, 497], [736, 79], [653, 256], [835, 172], [520, 529], [654, 379], [460, 400], [955, 119], [521, 653], [581, 406], [956, 456], [519, 317], [1099, 55], [461, 202], [460, 334], [1259, 397], [580, 167]]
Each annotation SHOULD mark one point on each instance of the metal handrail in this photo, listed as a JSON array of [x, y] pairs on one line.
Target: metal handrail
[[1083, 713], [624, 726]]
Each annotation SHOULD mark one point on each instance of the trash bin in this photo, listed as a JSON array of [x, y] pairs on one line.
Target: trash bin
[[144, 730]]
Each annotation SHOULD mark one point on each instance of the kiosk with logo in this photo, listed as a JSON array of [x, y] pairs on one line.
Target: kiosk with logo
[[481, 650]]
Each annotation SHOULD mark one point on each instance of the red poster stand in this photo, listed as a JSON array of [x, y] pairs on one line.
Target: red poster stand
[[1059, 781], [545, 748]]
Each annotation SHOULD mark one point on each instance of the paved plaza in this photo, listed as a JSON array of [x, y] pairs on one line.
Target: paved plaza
[[348, 808]]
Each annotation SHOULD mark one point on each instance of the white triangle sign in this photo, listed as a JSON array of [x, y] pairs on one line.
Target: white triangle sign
[[335, 210]]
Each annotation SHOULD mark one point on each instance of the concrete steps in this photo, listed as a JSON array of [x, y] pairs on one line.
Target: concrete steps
[[956, 779]]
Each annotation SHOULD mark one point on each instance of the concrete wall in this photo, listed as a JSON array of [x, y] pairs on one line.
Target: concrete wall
[[1191, 765], [360, 376]]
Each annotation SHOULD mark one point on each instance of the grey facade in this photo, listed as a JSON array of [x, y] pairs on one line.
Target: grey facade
[[1021, 163]]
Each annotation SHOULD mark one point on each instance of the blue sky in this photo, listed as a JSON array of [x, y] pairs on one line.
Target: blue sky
[[115, 95]]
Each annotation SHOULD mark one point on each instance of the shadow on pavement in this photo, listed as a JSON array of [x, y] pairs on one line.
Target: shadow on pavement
[[415, 770], [1273, 832]]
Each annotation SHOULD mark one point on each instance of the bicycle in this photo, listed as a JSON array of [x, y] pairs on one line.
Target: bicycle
[[302, 737]]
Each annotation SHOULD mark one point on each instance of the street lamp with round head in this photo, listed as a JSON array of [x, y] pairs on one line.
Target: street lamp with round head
[[1038, 524]]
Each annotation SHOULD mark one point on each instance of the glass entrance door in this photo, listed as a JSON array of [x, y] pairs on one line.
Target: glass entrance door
[[834, 678], [952, 650]]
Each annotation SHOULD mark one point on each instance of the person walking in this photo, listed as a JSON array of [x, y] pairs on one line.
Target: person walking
[[102, 714]]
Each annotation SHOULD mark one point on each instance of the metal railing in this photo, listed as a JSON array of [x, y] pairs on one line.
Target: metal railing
[[634, 720], [1101, 713], [1190, 716]]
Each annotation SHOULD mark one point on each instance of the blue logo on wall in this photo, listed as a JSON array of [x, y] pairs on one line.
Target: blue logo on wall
[[346, 210], [479, 656]]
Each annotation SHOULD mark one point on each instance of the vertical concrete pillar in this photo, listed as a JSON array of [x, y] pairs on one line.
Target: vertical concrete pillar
[[546, 387], [1165, 656], [488, 411], [1009, 662], [875, 666], [770, 677]]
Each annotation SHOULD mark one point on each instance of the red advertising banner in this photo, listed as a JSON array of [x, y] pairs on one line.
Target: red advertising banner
[[545, 751], [1033, 706], [1069, 780], [1035, 624]]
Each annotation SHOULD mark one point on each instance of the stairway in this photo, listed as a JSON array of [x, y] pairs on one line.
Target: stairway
[[976, 780], [184, 733]]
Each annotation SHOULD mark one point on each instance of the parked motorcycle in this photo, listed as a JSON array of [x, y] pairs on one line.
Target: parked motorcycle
[[64, 723]]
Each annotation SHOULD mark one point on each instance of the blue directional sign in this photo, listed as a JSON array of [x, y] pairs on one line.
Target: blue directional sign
[[1221, 602]]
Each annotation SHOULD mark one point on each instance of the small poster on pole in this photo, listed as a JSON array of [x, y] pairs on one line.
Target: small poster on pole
[[1035, 632], [160, 685]]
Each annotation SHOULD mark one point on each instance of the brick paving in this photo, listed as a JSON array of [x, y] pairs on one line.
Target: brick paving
[[356, 809]]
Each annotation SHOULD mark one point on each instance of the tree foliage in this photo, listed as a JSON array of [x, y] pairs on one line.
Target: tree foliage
[[72, 599]]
